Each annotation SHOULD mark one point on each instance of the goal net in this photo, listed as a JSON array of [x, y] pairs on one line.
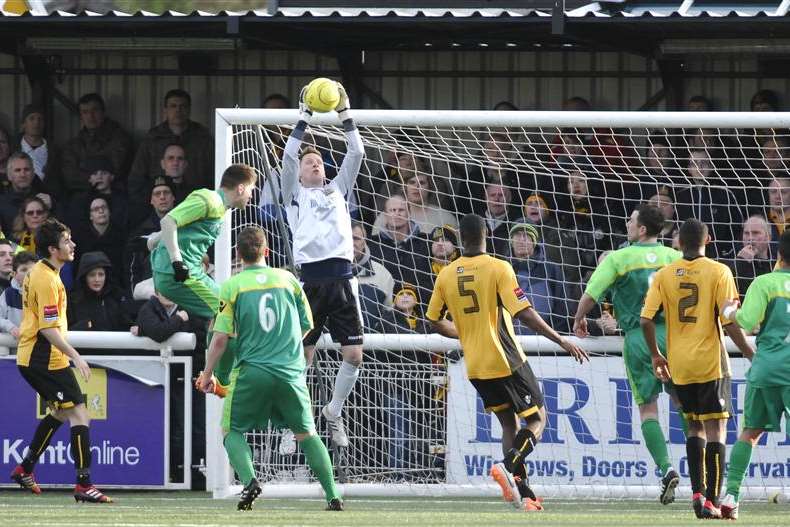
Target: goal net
[[557, 189]]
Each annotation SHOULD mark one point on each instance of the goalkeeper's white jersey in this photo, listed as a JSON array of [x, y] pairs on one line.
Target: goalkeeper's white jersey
[[319, 218]]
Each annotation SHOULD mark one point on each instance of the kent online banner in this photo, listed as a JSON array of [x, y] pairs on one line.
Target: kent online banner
[[127, 429], [593, 433]]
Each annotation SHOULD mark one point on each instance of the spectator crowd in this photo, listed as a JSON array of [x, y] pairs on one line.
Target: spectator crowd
[[555, 203]]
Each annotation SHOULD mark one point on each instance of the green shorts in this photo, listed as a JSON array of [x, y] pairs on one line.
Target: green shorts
[[257, 398], [764, 407], [198, 295], [639, 364]]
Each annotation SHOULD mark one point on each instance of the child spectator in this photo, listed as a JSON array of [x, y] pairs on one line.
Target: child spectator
[[11, 298]]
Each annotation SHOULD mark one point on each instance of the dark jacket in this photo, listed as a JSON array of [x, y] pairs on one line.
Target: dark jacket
[[77, 209], [407, 261], [137, 261], [745, 271], [498, 242], [111, 243], [719, 209], [110, 141], [199, 147], [102, 311], [543, 283], [154, 322]]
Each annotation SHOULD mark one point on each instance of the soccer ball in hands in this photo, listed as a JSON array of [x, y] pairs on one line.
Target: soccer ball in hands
[[322, 95]]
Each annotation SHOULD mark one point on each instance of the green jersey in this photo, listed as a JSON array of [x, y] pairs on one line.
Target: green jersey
[[268, 313], [199, 218], [767, 304], [626, 274]]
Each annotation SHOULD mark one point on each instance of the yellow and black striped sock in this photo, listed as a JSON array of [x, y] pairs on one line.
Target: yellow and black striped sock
[[44, 432], [81, 452]]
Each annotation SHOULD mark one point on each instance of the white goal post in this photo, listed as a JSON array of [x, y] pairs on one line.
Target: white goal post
[[420, 428]]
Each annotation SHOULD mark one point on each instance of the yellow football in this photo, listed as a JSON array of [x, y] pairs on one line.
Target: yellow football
[[322, 95]]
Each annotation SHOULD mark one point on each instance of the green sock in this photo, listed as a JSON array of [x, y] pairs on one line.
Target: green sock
[[684, 425], [739, 460], [318, 459], [240, 456], [656, 444]]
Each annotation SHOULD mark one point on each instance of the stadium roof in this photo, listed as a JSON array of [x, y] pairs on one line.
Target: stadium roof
[[630, 25]]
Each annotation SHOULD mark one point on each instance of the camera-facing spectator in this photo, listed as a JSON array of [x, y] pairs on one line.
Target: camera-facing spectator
[[23, 184], [46, 164], [402, 248], [96, 304], [174, 166], [405, 315], [177, 127], [11, 298], [775, 156], [755, 256], [33, 212], [711, 202], [445, 247], [99, 136], [500, 214], [6, 263], [424, 207], [559, 245], [98, 172], [778, 206], [539, 279], [101, 234], [370, 273]]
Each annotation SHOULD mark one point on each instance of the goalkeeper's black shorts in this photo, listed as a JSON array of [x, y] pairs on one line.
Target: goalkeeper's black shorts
[[334, 304], [58, 388]]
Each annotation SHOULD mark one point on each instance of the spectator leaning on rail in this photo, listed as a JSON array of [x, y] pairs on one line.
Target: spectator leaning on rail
[[7, 249], [11, 298], [96, 304]]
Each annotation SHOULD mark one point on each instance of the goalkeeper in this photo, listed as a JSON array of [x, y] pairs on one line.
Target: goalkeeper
[[267, 312], [187, 233], [323, 250]]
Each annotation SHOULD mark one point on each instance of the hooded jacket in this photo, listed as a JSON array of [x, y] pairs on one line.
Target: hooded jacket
[[91, 311]]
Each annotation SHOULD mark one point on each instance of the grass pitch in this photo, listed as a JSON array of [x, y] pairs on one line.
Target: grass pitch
[[196, 509]]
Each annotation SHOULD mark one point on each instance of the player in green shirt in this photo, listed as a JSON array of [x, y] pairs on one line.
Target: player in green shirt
[[188, 231], [626, 274], [767, 307], [267, 312]]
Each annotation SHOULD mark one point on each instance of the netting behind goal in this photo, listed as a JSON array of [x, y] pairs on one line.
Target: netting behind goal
[[557, 190]]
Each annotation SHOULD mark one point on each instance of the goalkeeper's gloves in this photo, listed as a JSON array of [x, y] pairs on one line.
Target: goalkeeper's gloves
[[305, 113], [180, 271], [343, 105], [213, 387]]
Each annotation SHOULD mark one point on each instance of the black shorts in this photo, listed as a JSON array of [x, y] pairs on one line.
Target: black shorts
[[705, 400], [334, 304], [58, 388], [520, 391]]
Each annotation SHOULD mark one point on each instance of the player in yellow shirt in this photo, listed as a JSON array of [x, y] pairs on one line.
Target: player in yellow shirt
[[43, 360], [482, 295], [692, 292]]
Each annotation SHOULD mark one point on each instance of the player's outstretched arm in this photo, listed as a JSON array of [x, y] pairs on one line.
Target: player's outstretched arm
[[349, 170], [289, 176], [535, 322]]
